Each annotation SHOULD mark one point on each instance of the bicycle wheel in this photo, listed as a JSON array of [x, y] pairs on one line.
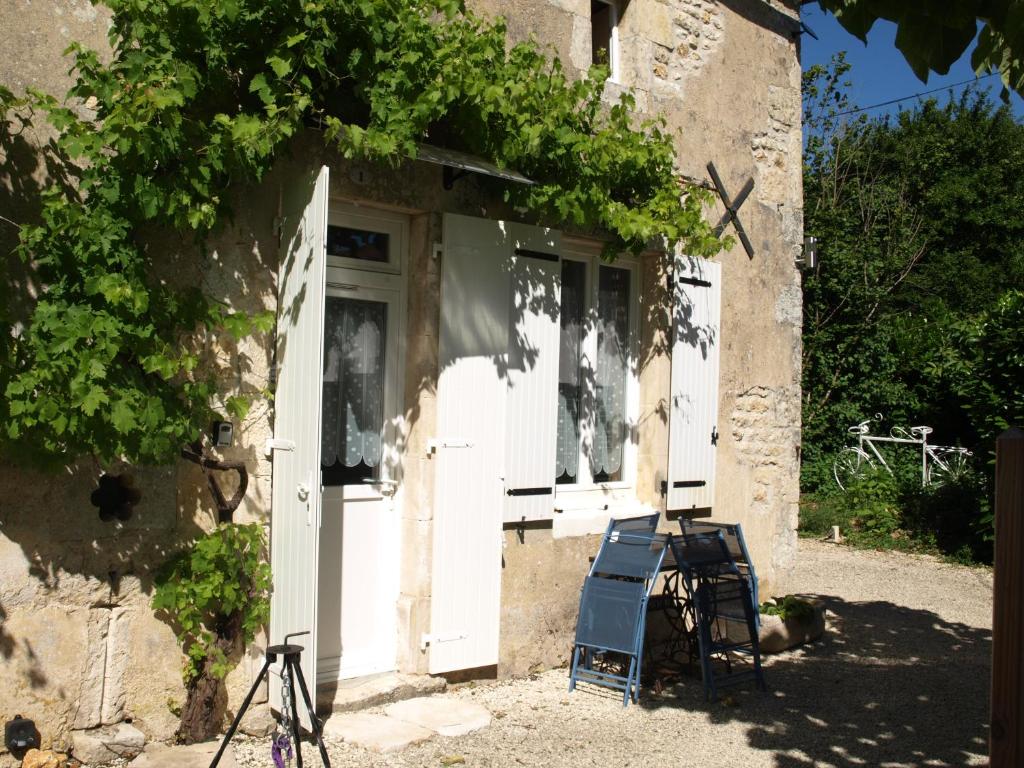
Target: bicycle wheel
[[850, 465], [947, 466]]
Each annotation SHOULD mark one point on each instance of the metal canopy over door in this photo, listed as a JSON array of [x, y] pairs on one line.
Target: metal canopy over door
[[696, 340], [295, 521]]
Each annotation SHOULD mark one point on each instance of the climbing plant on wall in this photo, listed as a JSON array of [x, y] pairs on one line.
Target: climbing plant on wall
[[201, 96]]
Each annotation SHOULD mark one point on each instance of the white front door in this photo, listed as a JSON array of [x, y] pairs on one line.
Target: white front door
[[360, 463]]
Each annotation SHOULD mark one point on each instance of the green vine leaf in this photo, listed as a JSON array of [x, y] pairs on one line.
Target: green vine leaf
[[198, 99]]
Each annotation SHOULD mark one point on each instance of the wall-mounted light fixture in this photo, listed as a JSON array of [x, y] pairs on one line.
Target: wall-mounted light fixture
[[809, 260]]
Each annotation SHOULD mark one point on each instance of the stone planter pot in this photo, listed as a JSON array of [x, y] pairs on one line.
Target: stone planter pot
[[777, 635]]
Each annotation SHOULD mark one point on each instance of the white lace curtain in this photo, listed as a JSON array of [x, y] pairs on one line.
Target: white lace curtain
[[570, 394], [608, 377], [612, 371], [353, 385]]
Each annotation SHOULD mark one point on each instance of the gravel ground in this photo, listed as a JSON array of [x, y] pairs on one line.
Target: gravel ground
[[901, 679]]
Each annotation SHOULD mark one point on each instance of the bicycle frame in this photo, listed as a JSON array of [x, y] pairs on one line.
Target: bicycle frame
[[949, 459], [926, 450]]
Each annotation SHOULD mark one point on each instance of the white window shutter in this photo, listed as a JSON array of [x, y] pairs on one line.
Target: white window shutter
[[465, 599], [696, 340], [295, 514], [533, 346]]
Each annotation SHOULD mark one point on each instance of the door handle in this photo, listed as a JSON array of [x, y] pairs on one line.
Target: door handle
[[389, 486]]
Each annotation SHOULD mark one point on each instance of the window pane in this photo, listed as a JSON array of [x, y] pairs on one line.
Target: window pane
[[357, 244], [353, 390], [612, 373], [570, 380]]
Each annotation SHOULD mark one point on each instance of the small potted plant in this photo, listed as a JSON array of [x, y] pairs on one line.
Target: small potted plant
[[789, 621]]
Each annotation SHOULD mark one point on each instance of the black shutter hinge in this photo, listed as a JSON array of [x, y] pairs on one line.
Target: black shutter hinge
[[714, 435]]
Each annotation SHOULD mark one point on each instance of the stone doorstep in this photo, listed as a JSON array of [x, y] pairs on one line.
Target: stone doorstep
[[447, 717], [378, 733], [408, 722], [365, 692]]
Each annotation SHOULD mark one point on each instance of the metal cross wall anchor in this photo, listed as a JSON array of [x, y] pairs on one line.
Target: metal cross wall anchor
[[732, 208]]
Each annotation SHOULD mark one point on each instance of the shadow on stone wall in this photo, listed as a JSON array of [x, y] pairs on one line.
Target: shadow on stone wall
[[80, 644], [889, 685]]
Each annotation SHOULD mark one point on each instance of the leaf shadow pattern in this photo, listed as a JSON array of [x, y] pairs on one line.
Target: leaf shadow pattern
[[888, 685]]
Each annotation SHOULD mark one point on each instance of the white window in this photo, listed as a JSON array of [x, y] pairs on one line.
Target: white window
[[365, 238], [597, 383], [604, 35]]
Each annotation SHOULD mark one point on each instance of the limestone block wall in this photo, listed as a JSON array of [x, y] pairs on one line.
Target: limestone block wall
[[79, 645]]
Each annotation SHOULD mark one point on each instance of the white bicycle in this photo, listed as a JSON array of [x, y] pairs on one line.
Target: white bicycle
[[939, 463]]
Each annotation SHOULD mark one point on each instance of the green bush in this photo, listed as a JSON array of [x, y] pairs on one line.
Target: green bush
[[956, 514], [894, 511]]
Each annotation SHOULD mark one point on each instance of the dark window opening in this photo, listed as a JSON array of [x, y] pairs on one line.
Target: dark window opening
[[357, 244], [602, 22]]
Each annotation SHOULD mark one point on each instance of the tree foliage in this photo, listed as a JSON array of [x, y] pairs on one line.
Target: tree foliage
[[933, 34], [921, 219], [201, 97]]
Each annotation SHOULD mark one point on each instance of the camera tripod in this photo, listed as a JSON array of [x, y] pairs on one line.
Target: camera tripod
[[291, 670]]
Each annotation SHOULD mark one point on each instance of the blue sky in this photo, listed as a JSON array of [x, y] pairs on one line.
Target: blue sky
[[880, 73]]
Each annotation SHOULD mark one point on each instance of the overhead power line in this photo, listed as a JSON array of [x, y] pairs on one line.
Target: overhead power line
[[915, 95]]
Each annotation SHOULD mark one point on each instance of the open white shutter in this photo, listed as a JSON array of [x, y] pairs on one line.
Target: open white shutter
[[465, 601], [696, 339], [295, 520], [533, 346]]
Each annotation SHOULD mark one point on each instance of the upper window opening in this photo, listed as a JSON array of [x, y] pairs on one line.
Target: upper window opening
[[604, 32], [361, 244], [365, 238]]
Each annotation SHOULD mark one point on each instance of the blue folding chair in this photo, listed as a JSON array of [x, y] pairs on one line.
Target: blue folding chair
[[732, 533], [718, 592], [633, 554], [613, 606]]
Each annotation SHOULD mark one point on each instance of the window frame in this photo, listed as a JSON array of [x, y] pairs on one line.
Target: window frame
[[357, 278], [613, 39], [394, 225], [589, 253]]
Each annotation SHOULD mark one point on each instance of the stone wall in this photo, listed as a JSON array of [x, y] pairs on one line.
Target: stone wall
[[79, 645], [726, 77]]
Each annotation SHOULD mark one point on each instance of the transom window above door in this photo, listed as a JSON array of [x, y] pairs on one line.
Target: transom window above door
[[365, 239]]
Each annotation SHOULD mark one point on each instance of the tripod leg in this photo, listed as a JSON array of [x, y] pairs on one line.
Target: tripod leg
[[241, 711], [292, 662], [313, 719]]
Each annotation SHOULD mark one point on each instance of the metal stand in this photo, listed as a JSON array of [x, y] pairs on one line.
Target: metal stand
[[290, 661]]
